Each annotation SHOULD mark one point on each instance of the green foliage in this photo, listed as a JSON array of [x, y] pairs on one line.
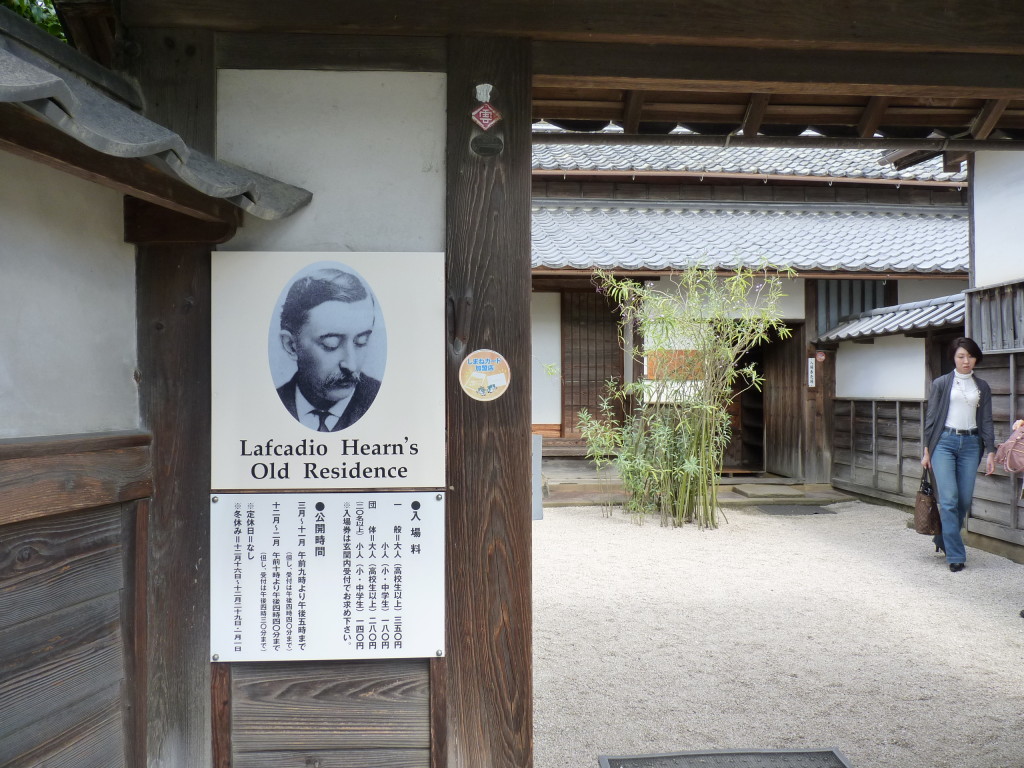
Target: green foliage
[[39, 12], [670, 446]]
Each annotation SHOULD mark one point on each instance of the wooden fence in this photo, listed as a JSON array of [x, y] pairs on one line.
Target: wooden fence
[[876, 450]]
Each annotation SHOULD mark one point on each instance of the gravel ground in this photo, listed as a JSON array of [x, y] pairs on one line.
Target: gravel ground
[[839, 630]]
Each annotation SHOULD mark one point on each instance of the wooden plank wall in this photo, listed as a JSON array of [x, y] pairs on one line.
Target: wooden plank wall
[[877, 450], [997, 510], [365, 714], [68, 692], [876, 447]]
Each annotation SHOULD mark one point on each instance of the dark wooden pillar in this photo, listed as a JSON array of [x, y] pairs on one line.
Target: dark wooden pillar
[[487, 708], [176, 70]]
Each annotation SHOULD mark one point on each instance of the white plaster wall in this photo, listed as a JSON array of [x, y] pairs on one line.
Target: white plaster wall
[[67, 305], [919, 290], [791, 301], [546, 330], [368, 145], [791, 305], [997, 210], [892, 367]]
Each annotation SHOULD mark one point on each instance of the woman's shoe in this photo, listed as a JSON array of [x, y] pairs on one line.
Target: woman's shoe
[[940, 548], [957, 567]]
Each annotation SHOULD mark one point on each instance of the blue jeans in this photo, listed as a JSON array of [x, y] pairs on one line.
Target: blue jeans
[[955, 465]]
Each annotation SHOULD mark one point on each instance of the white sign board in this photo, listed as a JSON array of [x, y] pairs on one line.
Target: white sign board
[[811, 370], [328, 371], [297, 576]]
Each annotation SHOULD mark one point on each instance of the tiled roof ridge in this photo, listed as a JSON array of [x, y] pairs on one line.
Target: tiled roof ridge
[[942, 312]]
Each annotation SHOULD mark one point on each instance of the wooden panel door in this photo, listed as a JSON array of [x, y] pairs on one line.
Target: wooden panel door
[[591, 355], [783, 406]]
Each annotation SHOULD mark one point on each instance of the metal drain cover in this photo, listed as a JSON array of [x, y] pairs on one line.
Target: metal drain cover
[[733, 758]]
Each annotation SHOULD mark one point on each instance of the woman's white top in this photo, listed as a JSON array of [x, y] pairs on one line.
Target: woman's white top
[[963, 402]]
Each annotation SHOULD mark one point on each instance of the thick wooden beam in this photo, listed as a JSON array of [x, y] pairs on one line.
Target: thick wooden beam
[[27, 136], [488, 591], [41, 486], [177, 73], [62, 445], [240, 50], [173, 293], [786, 114], [739, 70], [872, 116], [988, 118], [754, 115], [962, 25], [148, 224]]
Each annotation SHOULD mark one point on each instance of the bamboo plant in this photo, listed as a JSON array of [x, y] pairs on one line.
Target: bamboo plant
[[670, 446]]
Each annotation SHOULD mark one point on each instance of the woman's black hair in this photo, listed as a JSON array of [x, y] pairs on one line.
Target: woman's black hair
[[969, 344]]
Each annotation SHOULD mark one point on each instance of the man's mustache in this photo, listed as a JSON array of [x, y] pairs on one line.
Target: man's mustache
[[342, 380]]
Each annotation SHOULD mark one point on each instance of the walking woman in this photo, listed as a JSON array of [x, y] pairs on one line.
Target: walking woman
[[958, 431]]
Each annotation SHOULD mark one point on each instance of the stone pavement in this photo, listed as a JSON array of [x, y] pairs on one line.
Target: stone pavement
[[571, 482]]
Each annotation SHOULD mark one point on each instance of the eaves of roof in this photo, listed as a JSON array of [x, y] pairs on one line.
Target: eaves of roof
[[779, 163], [633, 237], [98, 117], [945, 312]]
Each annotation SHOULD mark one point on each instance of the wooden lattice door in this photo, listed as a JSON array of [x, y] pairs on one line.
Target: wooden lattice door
[[591, 355]]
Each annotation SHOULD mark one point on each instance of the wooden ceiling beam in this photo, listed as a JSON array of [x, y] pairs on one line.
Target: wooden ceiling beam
[[993, 26], [631, 111], [746, 70], [872, 116], [988, 117], [754, 115]]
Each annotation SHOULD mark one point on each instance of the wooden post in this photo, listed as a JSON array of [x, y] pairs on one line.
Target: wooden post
[[173, 293], [488, 676]]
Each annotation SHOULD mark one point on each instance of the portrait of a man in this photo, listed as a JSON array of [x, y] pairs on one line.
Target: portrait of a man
[[327, 326]]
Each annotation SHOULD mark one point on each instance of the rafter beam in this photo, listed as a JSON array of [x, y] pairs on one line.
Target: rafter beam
[[755, 113], [993, 26], [631, 111], [745, 70], [830, 142], [988, 117], [872, 116]]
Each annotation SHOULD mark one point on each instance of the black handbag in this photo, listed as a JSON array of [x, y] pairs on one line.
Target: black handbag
[[926, 510]]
